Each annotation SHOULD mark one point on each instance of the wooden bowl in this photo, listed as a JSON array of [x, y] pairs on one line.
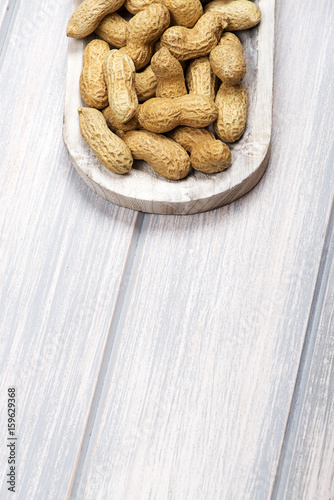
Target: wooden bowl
[[144, 190]]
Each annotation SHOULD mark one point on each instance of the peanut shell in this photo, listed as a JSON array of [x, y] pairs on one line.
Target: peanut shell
[[200, 78], [242, 14], [183, 12], [92, 84], [143, 30], [165, 156], [161, 115], [169, 74], [231, 102], [112, 152], [112, 29], [86, 18], [185, 43], [119, 74], [227, 59], [207, 154]]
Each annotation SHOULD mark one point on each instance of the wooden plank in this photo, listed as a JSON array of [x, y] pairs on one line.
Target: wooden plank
[[3, 9], [210, 347], [63, 251], [311, 462]]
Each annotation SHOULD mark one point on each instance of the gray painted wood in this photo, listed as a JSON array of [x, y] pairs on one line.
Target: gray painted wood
[[8, 11], [145, 190], [311, 468], [206, 365], [208, 334], [286, 466], [63, 251], [3, 9]]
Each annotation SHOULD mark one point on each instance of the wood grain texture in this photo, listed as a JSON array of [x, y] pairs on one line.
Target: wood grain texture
[[63, 251], [210, 343], [8, 11], [3, 8], [312, 463], [142, 189], [207, 362]]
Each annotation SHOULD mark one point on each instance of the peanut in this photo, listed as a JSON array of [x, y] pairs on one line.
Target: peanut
[[165, 156], [146, 84], [206, 153], [242, 14], [112, 29], [161, 115], [169, 74], [185, 43], [227, 59], [86, 18], [135, 6], [92, 84], [119, 74], [183, 12], [112, 152], [200, 78], [115, 125], [231, 102], [143, 30]]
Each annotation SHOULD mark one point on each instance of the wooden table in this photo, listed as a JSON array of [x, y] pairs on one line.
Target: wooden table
[[164, 357]]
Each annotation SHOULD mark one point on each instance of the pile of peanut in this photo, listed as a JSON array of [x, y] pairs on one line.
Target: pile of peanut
[[158, 89]]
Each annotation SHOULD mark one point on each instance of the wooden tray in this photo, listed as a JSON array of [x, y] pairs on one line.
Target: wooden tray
[[144, 190]]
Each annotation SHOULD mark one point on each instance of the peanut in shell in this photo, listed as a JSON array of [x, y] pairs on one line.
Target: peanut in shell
[[227, 59], [207, 154], [112, 152], [161, 115], [183, 12], [86, 18], [112, 29], [143, 30], [92, 84], [165, 156], [241, 14], [169, 74], [200, 78], [231, 102], [119, 73], [185, 43]]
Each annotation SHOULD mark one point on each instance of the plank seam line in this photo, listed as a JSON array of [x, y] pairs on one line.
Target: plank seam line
[[81, 470], [7, 28], [297, 402]]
